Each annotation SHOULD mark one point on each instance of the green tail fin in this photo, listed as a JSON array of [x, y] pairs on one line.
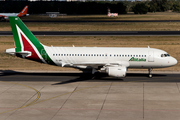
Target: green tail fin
[[20, 31]]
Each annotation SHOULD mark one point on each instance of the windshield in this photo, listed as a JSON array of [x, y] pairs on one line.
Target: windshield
[[165, 55]]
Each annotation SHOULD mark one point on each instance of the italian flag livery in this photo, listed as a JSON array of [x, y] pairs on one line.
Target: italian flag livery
[[112, 60], [27, 44]]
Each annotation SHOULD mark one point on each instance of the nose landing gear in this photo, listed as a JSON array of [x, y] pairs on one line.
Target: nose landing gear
[[150, 75]]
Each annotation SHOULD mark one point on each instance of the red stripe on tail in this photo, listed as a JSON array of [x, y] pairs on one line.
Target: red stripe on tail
[[28, 47]]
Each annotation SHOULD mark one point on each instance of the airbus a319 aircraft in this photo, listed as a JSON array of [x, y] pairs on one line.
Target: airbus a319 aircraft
[[23, 13], [112, 60]]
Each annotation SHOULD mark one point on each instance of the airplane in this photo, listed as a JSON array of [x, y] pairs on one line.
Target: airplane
[[112, 60], [5, 16]]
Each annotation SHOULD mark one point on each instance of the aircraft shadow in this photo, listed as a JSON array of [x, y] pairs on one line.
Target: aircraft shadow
[[65, 78], [82, 75]]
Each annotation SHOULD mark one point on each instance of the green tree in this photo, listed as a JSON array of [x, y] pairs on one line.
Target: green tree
[[128, 5], [152, 6], [140, 8], [176, 6]]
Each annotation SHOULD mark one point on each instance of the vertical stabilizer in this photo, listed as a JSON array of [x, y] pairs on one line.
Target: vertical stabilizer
[[23, 12], [23, 37], [26, 42]]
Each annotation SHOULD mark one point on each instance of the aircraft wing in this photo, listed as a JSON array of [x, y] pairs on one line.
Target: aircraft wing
[[3, 17], [98, 65], [117, 69], [92, 65]]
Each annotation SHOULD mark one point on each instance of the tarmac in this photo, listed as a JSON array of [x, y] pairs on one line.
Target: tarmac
[[98, 33], [76, 96]]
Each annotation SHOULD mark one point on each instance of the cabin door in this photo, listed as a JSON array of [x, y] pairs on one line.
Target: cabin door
[[151, 56]]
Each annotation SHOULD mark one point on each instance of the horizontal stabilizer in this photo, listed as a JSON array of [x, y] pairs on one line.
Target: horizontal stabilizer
[[10, 51], [22, 53]]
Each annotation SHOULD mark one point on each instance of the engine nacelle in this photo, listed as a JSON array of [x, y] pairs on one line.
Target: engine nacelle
[[119, 71], [6, 18]]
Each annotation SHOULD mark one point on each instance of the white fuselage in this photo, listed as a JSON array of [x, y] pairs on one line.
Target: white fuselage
[[129, 57], [9, 14]]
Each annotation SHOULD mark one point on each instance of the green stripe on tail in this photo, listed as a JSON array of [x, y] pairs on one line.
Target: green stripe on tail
[[17, 21]]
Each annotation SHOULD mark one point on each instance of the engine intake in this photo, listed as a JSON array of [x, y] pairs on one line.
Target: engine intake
[[119, 71]]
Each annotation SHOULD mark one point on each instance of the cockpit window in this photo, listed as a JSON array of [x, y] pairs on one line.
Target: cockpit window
[[165, 55]]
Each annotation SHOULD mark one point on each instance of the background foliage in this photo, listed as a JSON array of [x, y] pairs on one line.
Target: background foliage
[[41, 7]]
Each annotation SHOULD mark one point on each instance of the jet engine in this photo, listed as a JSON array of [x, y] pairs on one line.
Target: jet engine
[[118, 71], [6, 18]]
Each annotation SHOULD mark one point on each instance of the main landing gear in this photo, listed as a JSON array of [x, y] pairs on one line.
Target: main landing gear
[[150, 75]]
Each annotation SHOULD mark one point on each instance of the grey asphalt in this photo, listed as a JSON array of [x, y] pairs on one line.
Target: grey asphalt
[[99, 33], [72, 21], [64, 77], [75, 96]]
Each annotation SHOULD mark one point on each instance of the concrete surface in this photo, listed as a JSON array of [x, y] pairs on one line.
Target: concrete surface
[[55, 96]]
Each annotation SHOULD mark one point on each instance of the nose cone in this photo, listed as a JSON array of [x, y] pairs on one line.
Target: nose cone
[[173, 61]]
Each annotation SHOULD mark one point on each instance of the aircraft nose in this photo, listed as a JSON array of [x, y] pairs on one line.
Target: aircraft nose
[[173, 61]]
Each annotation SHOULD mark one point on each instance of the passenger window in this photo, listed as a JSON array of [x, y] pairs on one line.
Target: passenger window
[[114, 55], [69, 54], [139, 55], [64, 54], [72, 54], [133, 55], [61, 54]]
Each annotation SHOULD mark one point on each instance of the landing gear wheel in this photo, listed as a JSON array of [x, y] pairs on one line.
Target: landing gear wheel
[[150, 76]]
